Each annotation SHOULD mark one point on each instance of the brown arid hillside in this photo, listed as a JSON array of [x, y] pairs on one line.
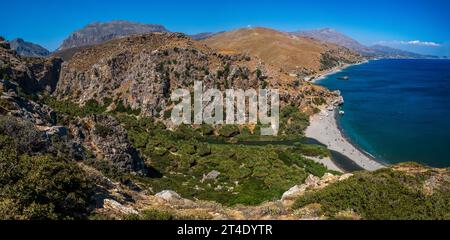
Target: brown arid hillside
[[293, 54], [141, 71]]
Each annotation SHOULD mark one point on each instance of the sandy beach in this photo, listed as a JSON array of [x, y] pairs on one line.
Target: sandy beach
[[324, 129]]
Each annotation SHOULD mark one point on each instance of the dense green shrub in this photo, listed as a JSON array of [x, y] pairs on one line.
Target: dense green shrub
[[68, 110], [228, 131], [384, 194], [312, 150], [38, 179], [203, 149], [40, 187], [292, 121]]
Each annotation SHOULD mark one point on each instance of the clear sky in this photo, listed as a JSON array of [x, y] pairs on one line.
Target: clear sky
[[418, 25]]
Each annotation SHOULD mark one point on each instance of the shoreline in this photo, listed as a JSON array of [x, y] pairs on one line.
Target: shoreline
[[332, 71], [324, 128]]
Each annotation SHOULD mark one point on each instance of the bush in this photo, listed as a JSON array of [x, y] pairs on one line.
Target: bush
[[24, 138], [228, 131], [312, 150], [40, 187], [203, 149], [292, 121], [384, 195], [207, 130]]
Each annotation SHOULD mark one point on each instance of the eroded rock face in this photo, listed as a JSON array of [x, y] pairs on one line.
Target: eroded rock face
[[14, 105], [31, 74], [143, 70], [107, 139]]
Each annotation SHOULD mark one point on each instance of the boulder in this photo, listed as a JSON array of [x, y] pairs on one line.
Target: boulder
[[169, 195], [211, 175]]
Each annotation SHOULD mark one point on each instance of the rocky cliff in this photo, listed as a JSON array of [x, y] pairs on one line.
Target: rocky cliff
[[141, 71]]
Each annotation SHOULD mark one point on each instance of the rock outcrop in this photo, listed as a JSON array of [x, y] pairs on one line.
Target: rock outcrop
[[107, 139], [311, 183]]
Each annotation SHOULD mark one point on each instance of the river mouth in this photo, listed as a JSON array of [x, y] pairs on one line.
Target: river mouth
[[341, 161]]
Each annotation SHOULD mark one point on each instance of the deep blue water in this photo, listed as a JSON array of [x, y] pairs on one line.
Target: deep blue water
[[398, 110]]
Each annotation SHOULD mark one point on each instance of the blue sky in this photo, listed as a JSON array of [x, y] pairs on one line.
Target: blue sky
[[416, 25]]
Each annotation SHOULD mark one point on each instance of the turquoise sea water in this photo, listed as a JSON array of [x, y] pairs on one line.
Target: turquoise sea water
[[397, 110]]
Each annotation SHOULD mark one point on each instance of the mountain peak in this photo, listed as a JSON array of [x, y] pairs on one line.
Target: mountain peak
[[99, 32]]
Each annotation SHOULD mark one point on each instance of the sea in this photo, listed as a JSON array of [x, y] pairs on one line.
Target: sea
[[397, 110]]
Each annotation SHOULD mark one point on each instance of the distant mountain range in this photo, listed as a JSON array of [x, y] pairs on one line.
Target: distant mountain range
[[28, 49], [96, 33], [332, 36], [396, 53]]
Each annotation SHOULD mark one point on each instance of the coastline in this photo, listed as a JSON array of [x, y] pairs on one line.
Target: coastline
[[324, 128], [334, 70]]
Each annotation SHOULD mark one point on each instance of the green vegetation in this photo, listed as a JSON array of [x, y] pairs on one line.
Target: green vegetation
[[249, 174], [384, 194], [292, 121], [312, 150], [121, 108], [35, 183], [69, 110]]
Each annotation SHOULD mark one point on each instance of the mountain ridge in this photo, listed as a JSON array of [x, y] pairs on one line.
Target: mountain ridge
[[28, 49]]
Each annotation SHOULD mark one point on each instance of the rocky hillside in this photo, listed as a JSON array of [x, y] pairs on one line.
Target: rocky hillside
[[28, 49], [32, 74], [96, 33], [296, 55], [141, 71]]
